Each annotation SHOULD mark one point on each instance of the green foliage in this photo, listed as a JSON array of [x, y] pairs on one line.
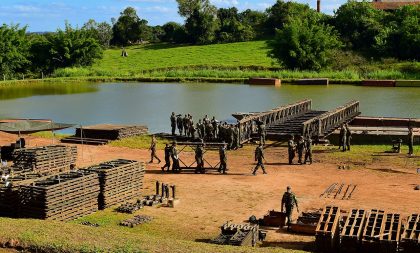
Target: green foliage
[[14, 49], [305, 44], [281, 13], [102, 32], [201, 23], [129, 28], [231, 28]]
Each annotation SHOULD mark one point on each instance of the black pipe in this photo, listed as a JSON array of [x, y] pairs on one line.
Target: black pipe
[[167, 191], [173, 191], [157, 187], [163, 190]]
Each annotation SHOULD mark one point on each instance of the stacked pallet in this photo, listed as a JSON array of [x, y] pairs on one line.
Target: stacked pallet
[[410, 238], [63, 197], [351, 234], [45, 160], [306, 223], [238, 235], [328, 229], [111, 132], [120, 180], [8, 201], [390, 235], [373, 231]]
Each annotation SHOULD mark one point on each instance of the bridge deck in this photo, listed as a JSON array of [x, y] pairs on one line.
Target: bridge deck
[[292, 126]]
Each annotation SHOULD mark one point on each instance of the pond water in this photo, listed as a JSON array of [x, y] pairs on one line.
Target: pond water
[[152, 103]]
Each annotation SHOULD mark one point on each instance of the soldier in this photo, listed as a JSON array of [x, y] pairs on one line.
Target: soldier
[[230, 137], [410, 141], [180, 123], [173, 123], [223, 159], [291, 149], [209, 131], [343, 138], [199, 159], [235, 132], [198, 127], [192, 130], [308, 150], [203, 130], [300, 148], [214, 124], [175, 158], [185, 122], [348, 137], [153, 150], [167, 158], [206, 119], [288, 202], [261, 131], [259, 156]]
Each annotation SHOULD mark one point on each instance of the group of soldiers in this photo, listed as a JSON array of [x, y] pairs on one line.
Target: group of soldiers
[[205, 129], [303, 146]]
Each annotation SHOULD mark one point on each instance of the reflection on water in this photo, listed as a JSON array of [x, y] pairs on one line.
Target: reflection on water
[[152, 103], [28, 90]]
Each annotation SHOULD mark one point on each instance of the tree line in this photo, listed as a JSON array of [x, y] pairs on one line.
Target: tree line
[[299, 37]]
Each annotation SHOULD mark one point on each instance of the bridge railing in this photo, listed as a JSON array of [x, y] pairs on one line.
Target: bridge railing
[[247, 126], [329, 121]]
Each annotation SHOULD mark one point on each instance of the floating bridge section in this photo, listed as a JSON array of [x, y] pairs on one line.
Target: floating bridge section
[[297, 119]]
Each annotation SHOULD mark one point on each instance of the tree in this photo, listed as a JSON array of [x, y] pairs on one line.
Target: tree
[[358, 24], [129, 28], [102, 32], [304, 44], [201, 22], [281, 13], [14, 49], [66, 48], [231, 29], [256, 20]]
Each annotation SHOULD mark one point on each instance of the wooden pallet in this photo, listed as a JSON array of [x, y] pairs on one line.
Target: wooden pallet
[[373, 230], [410, 238], [238, 235], [351, 234], [328, 229], [389, 239]]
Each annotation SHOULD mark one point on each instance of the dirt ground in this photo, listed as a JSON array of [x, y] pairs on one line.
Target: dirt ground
[[207, 201]]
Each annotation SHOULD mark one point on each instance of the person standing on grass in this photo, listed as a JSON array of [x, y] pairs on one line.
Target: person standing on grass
[[167, 158], [288, 202], [410, 141], [153, 150], [348, 137]]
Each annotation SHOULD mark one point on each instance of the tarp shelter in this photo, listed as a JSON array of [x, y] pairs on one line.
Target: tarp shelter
[[31, 126]]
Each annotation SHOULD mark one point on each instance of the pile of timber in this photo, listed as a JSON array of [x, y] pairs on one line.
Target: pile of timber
[[111, 132], [238, 235], [328, 229], [410, 238], [62, 197], [351, 234], [8, 201], [45, 160], [120, 180]]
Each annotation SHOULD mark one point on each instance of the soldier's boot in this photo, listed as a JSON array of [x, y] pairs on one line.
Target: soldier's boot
[[264, 172], [255, 171]]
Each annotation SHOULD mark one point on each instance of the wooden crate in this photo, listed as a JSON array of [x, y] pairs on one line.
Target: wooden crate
[[351, 234], [328, 229], [410, 238], [274, 219]]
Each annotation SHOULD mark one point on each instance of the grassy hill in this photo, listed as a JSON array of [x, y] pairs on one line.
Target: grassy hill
[[236, 61]]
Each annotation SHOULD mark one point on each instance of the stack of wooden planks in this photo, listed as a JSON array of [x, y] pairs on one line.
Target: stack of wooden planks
[[373, 231], [111, 132], [120, 180], [410, 238], [390, 235], [327, 231], [45, 160], [62, 197], [351, 234], [238, 235]]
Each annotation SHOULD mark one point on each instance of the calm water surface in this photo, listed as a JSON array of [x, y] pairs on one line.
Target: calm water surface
[[152, 103]]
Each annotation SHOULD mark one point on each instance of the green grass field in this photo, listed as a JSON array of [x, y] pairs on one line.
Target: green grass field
[[225, 62]]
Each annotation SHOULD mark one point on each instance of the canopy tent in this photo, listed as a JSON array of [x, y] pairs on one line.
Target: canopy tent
[[31, 126]]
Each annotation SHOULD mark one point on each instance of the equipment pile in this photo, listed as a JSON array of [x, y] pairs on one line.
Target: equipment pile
[[136, 220], [239, 235]]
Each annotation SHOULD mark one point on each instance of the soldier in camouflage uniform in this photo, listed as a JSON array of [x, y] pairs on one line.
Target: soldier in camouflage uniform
[[300, 148], [410, 141], [167, 158], [291, 149], [288, 202], [259, 157], [175, 158], [223, 159], [214, 124], [348, 137], [343, 138], [199, 158], [153, 150], [173, 123], [180, 124], [308, 150]]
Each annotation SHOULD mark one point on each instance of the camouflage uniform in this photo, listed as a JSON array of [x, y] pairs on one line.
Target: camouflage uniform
[[153, 151], [167, 158], [300, 148], [199, 159], [223, 160], [289, 201], [175, 159], [410, 141], [348, 138], [308, 150], [259, 156], [291, 150], [173, 123], [180, 124]]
